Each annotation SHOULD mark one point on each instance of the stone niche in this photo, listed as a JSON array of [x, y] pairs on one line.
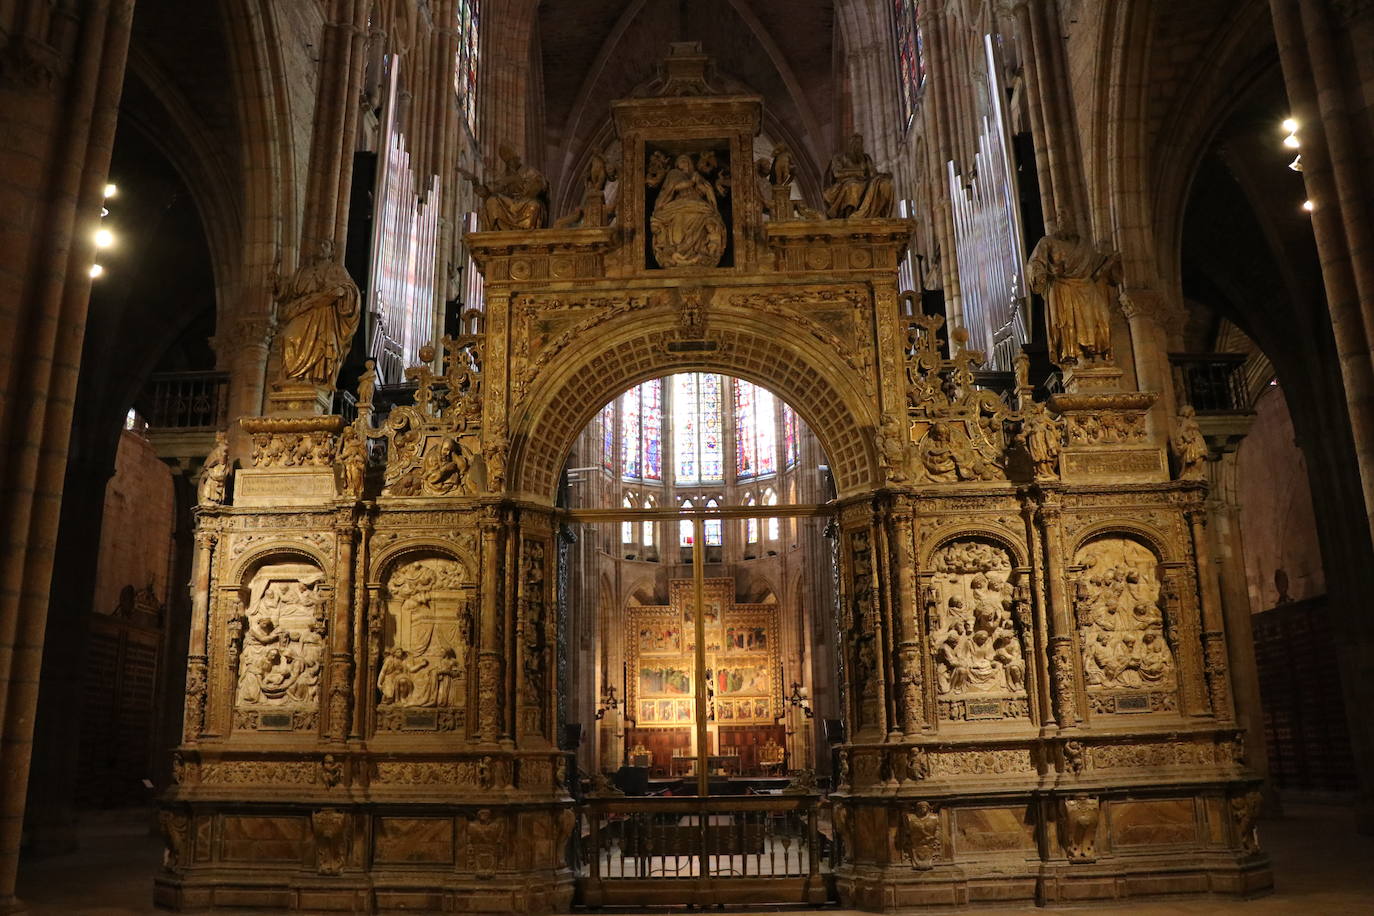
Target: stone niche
[[279, 641], [978, 647], [1129, 662], [425, 645]]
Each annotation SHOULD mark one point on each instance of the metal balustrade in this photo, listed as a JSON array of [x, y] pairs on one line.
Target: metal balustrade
[[186, 400], [1211, 382], [702, 850]]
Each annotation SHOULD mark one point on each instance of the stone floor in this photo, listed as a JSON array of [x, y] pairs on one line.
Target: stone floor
[[1321, 867]]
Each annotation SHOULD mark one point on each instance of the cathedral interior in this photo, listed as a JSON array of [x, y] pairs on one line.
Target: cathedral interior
[[526, 456]]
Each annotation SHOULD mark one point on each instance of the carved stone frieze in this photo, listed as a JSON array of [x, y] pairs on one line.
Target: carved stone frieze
[[990, 762]]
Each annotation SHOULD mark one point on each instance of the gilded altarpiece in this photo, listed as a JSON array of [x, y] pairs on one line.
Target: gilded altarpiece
[[1032, 662], [743, 685]]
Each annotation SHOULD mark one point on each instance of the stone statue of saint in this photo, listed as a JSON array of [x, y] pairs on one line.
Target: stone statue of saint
[[1189, 445], [854, 188], [686, 226], [215, 474], [1076, 280], [352, 462], [517, 199], [319, 316], [1043, 439]]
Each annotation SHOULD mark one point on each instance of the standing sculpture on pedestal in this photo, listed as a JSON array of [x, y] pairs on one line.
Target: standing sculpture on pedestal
[[854, 188], [215, 474], [1189, 445], [1076, 280], [319, 315]]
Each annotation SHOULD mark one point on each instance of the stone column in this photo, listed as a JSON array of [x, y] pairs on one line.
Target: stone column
[[61, 74], [51, 819], [1213, 637], [341, 666], [905, 629], [1063, 653], [1321, 52], [1228, 551], [490, 643], [242, 349]]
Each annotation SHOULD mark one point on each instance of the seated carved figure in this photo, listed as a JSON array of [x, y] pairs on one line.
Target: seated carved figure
[[854, 188], [516, 200]]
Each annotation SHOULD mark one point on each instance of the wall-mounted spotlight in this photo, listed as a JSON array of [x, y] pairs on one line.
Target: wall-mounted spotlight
[[96, 270], [1308, 206], [111, 190], [104, 238]]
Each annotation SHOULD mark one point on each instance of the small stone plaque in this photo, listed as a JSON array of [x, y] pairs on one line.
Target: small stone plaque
[[283, 486], [1116, 463], [274, 721], [983, 709], [421, 718], [1132, 702]]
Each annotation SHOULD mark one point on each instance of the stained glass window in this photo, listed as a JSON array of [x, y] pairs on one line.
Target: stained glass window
[[697, 428], [756, 435], [651, 398], [790, 448], [630, 464], [627, 529], [712, 526], [647, 526], [751, 525], [684, 528], [911, 62], [607, 418], [774, 528], [641, 431], [685, 428], [465, 61]]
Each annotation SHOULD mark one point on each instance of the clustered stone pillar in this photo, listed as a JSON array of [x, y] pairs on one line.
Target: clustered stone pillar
[[61, 73], [1321, 52]]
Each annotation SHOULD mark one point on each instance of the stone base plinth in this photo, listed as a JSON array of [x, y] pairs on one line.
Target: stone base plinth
[[1029, 883], [401, 890], [1095, 379], [299, 400]]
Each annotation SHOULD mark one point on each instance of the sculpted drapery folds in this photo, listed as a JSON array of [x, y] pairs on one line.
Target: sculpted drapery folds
[[686, 225], [854, 188], [215, 473], [517, 200], [319, 314], [1076, 279]]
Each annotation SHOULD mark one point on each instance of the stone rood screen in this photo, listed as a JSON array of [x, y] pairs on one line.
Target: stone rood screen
[[1030, 643]]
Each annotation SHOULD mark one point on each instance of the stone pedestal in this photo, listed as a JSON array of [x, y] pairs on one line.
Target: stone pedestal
[[299, 400]]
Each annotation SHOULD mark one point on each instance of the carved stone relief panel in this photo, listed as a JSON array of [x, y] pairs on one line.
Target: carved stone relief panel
[[863, 632], [426, 636], [1128, 663], [276, 647], [534, 621], [979, 647]]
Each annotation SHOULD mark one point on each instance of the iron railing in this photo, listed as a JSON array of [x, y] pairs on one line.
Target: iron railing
[[1211, 382], [186, 400], [711, 850]]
